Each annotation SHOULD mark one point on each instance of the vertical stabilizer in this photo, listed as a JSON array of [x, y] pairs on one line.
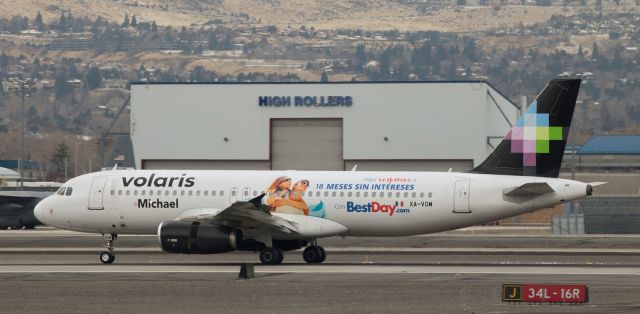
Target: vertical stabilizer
[[535, 145]]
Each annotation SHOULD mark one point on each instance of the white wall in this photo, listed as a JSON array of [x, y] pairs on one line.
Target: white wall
[[421, 120]]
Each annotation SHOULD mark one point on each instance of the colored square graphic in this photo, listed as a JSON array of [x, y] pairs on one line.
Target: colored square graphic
[[529, 160], [516, 146], [555, 133], [542, 119], [532, 135], [516, 133], [530, 120], [542, 133], [529, 146], [542, 147]]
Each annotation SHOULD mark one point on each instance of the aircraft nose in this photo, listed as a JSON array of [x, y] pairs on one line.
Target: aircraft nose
[[39, 211]]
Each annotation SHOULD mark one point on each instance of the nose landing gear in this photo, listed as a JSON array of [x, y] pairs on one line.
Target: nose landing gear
[[107, 257]]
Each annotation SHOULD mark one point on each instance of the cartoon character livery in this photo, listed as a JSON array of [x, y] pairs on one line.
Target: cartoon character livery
[[208, 212]]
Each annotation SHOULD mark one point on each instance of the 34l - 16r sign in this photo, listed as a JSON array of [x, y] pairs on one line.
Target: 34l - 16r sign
[[545, 293]]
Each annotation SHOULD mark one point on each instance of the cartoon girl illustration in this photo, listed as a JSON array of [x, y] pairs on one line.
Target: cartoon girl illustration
[[278, 189], [284, 199]]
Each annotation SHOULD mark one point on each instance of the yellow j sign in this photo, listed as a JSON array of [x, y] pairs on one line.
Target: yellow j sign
[[511, 293]]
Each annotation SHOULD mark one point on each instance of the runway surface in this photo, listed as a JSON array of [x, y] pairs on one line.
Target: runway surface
[[58, 272]]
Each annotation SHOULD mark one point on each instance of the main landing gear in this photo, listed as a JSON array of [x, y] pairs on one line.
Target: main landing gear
[[271, 256], [107, 257], [313, 254]]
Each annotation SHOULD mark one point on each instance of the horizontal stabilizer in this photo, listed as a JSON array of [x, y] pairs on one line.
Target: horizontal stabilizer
[[529, 189], [597, 183]]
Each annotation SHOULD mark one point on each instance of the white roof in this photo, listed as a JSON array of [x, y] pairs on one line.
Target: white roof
[[8, 173]]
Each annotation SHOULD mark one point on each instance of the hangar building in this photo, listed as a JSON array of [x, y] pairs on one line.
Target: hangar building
[[422, 126]]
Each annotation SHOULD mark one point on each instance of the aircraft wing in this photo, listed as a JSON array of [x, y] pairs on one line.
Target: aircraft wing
[[253, 214], [529, 189]]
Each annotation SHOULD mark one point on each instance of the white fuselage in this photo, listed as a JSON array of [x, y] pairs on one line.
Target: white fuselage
[[367, 203]]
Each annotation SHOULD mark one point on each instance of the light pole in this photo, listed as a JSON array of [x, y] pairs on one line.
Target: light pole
[[21, 161]]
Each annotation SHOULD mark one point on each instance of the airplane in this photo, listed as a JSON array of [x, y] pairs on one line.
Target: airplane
[[270, 212], [16, 209]]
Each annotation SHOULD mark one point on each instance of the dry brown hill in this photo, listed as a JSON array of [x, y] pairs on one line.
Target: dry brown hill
[[327, 14]]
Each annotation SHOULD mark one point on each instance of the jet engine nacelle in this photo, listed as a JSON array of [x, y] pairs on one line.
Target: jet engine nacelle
[[197, 238]]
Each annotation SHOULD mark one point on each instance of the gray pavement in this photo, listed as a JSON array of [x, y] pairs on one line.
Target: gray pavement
[[50, 271]]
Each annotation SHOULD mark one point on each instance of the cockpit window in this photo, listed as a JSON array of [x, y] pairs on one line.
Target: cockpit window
[[61, 190], [69, 191]]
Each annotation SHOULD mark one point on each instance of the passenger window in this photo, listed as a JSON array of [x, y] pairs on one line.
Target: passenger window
[[143, 193], [397, 194], [182, 193], [119, 192], [389, 195], [318, 193], [221, 193], [255, 193], [373, 194], [421, 194], [128, 192], [206, 193], [135, 192], [342, 194], [246, 193], [326, 193], [310, 194], [366, 194], [413, 194], [69, 191], [430, 194], [406, 194], [233, 193], [150, 192], [190, 193], [333, 194], [213, 193], [357, 194], [175, 193], [166, 193], [197, 193], [349, 194], [113, 192]]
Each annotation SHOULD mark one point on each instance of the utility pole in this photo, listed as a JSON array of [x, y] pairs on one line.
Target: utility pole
[[21, 161]]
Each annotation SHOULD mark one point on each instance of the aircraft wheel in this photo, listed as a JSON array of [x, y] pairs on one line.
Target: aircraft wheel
[[323, 254], [314, 255], [107, 257], [271, 256]]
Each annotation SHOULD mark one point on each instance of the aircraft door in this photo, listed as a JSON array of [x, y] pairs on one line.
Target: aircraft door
[[461, 197], [96, 194]]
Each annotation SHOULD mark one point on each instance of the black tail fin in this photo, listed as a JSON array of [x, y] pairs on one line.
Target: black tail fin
[[535, 145]]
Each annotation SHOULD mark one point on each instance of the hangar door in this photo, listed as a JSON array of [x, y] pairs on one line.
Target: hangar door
[[306, 144]]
